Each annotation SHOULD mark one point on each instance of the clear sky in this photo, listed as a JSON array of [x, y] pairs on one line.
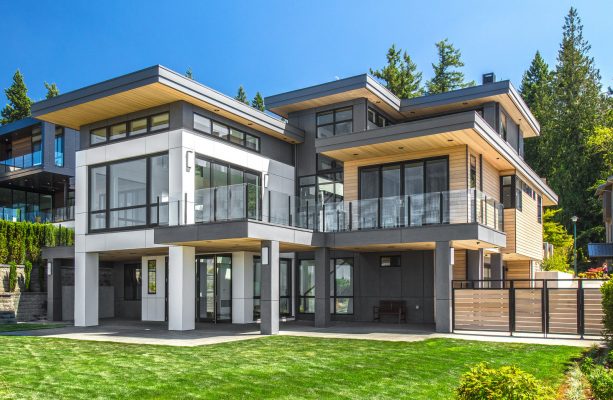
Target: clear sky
[[277, 46]]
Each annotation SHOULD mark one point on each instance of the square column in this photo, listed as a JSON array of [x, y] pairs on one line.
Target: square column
[[54, 290], [322, 287], [181, 288], [242, 288], [269, 299], [86, 276], [497, 270], [443, 272]]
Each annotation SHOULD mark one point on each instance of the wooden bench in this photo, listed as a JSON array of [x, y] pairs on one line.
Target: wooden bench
[[395, 308]]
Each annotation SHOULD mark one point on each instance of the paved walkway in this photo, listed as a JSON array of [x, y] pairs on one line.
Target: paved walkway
[[137, 332]]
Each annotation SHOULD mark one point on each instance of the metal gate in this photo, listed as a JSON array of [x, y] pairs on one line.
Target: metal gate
[[544, 306]]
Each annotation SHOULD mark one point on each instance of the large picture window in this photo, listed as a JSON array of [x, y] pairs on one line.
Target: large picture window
[[285, 287], [341, 286], [306, 287], [335, 122], [126, 194], [222, 131]]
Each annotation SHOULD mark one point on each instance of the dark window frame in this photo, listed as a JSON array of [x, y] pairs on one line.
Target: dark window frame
[[59, 134], [299, 296], [376, 113], [539, 208], [334, 122], [289, 285], [128, 123], [107, 209], [151, 263], [132, 285], [333, 289], [392, 263], [229, 136]]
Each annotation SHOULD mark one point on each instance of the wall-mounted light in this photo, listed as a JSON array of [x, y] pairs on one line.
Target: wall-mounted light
[[189, 160], [265, 180], [264, 255], [49, 268]]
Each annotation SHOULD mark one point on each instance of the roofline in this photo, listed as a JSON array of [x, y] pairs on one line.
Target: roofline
[[362, 81], [168, 77], [17, 125]]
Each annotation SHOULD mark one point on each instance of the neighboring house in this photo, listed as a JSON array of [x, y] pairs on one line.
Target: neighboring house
[[36, 168], [604, 251], [192, 206]]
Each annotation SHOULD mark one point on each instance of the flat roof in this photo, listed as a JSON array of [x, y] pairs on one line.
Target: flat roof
[[151, 87], [17, 125]]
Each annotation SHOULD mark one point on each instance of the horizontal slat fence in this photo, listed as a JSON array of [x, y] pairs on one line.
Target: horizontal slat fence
[[529, 306]]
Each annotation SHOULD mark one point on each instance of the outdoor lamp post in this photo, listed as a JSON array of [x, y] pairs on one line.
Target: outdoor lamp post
[[574, 219]]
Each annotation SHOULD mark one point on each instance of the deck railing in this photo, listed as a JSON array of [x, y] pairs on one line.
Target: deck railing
[[20, 214], [24, 161]]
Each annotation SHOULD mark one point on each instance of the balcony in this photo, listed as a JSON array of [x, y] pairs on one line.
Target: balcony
[[249, 202], [24, 161], [56, 215]]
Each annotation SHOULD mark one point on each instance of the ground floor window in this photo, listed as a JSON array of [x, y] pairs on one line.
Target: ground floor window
[[132, 282], [341, 286], [306, 286], [285, 287]]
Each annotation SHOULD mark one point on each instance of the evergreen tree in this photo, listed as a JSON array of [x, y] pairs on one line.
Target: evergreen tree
[[536, 90], [241, 95], [400, 74], [189, 73], [52, 90], [258, 102], [447, 78], [19, 103]]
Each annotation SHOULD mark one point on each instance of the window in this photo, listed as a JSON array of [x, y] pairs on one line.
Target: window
[[233, 135], [135, 127], [151, 277], [503, 125], [132, 281], [119, 193], [507, 184], [59, 146], [539, 209], [389, 261], [285, 287], [520, 143], [326, 163], [473, 172], [341, 286], [37, 147], [519, 185], [376, 119], [335, 122], [306, 287]]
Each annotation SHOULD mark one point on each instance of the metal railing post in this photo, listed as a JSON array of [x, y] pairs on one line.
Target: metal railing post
[[246, 201], [350, 216], [323, 219], [441, 211], [269, 204], [289, 210], [158, 210], [215, 204], [307, 214], [408, 206], [485, 216], [185, 211]]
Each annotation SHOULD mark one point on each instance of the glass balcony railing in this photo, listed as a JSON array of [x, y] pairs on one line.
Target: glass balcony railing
[[249, 202], [29, 160], [60, 214]]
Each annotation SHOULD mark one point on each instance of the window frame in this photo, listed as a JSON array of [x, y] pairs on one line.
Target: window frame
[[130, 274], [107, 201], [128, 124], [539, 209], [289, 297], [334, 122], [59, 134], [392, 257], [334, 289], [228, 137], [299, 295], [150, 264], [386, 121]]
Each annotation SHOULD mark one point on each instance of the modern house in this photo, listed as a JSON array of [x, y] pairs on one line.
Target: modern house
[[192, 206], [37, 171]]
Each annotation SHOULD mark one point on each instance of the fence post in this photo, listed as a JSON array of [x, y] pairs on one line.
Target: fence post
[[545, 308], [452, 307], [580, 309], [511, 307]]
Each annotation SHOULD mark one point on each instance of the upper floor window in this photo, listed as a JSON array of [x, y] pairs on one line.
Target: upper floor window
[[154, 123], [503, 125], [511, 188], [539, 209], [326, 163], [205, 125], [376, 119], [520, 143], [335, 122], [59, 146]]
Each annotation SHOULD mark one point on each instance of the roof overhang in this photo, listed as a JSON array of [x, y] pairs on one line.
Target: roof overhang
[[151, 87], [18, 125], [447, 131], [360, 86], [502, 92]]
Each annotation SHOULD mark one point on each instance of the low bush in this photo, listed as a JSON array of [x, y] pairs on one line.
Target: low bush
[[607, 308], [12, 276], [28, 274], [504, 383], [600, 379]]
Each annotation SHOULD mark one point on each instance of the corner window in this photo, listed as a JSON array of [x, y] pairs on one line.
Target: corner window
[[335, 122], [159, 122], [138, 126], [306, 287], [118, 131], [285, 287], [135, 127], [389, 261], [341, 286], [511, 188], [503, 125], [376, 119], [233, 135], [59, 146], [151, 277]]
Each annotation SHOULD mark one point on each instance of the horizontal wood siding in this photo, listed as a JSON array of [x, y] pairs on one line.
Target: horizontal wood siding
[[491, 181], [22, 146], [459, 265], [529, 233], [518, 269], [509, 229]]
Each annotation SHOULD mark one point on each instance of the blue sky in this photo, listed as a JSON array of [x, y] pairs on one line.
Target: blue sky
[[280, 45]]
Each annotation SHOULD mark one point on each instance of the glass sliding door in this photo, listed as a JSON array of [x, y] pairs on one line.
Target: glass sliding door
[[214, 288], [220, 183], [391, 200], [436, 185], [285, 287], [414, 190], [369, 196]]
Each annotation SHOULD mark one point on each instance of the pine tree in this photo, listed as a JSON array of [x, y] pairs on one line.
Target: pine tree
[[19, 103], [400, 74], [258, 102], [445, 77], [189, 73], [536, 89], [241, 95], [52, 90]]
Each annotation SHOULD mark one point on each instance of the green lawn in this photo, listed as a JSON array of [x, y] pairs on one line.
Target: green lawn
[[27, 326], [278, 367]]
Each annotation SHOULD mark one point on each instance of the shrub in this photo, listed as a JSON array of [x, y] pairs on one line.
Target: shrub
[[607, 307], [507, 382], [12, 276], [28, 274], [600, 379]]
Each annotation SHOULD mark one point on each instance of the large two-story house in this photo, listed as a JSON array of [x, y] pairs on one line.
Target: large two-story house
[[192, 206]]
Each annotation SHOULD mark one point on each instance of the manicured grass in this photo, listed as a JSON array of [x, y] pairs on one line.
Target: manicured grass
[[27, 326], [279, 367]]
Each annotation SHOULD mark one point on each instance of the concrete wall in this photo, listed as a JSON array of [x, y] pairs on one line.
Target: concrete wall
[[26, 306], [154, 305]]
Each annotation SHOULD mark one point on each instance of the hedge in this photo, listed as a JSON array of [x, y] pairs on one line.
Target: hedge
[[21, 241]]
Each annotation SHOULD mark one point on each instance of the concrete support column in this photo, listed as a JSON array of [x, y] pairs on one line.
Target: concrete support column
[[269, 299], [322, 287], [497, 269], [181, 288], [54, 290], [242, 288], [443, 272], [474, 266], [86, 295]]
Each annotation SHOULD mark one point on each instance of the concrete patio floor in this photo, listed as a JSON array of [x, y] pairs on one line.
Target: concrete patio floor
[[157, 333]]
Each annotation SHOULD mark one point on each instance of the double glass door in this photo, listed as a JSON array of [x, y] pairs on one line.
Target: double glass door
[[214, 288]]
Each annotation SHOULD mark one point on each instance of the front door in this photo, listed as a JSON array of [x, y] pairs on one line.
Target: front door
[[214, 288]]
